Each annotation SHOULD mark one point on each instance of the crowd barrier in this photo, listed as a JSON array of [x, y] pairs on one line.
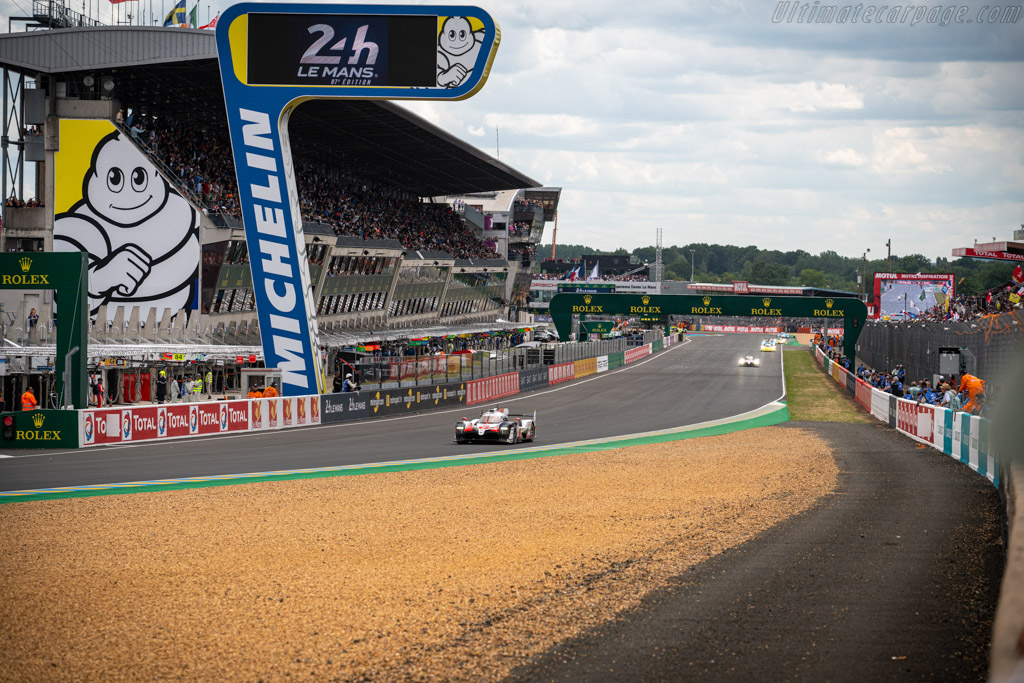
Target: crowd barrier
[[958, 434], [104, 426]]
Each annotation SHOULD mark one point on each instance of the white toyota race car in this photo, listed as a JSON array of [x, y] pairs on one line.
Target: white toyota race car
[[498, 425]]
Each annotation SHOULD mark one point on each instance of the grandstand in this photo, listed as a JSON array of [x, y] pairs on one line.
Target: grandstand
[[409, 231]]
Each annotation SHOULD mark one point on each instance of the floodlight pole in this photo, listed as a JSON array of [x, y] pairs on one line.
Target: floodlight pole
[[864, 276]]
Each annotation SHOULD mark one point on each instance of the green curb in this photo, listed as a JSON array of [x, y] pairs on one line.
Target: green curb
[[773, 414]]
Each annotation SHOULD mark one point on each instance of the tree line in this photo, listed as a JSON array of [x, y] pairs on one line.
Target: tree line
[[827, 270]]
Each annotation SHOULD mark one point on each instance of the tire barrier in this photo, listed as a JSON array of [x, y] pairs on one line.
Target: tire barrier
[[959, 435]]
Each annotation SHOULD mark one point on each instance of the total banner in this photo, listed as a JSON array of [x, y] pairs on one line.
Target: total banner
[[147, 423]]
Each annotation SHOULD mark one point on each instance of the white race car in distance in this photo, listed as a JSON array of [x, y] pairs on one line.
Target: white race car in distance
[[497, 425], [749, 361]]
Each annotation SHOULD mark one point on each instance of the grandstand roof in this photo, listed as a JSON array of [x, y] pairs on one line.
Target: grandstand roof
[[502, 200], [174, 71]]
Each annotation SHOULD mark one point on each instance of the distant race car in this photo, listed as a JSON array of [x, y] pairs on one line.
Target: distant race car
[[768, 345], [498, 425], [749, 361]]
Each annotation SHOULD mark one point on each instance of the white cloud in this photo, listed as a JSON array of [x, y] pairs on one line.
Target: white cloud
[[842, 157], [718, 125]]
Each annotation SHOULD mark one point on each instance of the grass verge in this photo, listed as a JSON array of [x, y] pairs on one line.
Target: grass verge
[[812, 396]]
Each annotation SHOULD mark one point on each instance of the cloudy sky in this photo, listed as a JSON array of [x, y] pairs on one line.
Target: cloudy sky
[[721, 123]]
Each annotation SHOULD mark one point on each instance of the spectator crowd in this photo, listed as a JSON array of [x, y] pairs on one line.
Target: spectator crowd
[[202, 162], [969, 394]]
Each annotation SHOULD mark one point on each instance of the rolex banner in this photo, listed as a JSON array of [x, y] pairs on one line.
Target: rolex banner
[[40, 429]]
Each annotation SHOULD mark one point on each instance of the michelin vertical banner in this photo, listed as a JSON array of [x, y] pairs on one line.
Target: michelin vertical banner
[[141, 235], [273, 57]]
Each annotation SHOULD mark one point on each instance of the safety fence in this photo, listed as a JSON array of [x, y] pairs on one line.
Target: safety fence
[[993, 345], [105, 426], [957, 434]]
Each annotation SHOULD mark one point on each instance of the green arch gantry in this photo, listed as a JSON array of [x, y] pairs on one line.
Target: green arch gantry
[[851, 310]]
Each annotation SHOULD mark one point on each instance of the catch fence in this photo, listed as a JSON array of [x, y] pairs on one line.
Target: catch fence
[[995, 345]]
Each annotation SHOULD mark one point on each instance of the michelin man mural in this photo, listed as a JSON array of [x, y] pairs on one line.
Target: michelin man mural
[[141, 235], [458, 46]]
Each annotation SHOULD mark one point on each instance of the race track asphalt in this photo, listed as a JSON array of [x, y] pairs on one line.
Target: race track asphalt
[[690, 383]]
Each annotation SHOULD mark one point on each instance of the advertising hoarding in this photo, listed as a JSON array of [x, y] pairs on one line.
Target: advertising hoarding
[[905, 296], [273, 57]]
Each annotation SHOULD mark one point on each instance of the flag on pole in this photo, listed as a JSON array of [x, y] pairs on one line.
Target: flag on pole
[[193, 17], [177, 14], [574, 274], [1018, 274], [212, 24], [593, 274], [118, 2]]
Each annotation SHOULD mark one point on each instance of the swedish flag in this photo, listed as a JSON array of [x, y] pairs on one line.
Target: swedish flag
[[177, 15]]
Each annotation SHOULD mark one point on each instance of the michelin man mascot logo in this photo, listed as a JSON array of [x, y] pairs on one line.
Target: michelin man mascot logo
[[458, 46], [142, 237]]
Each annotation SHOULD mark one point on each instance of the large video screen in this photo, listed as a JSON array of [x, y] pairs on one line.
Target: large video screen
[[905, 296]]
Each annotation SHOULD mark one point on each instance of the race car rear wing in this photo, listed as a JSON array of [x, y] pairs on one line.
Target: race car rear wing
[[513, 415]]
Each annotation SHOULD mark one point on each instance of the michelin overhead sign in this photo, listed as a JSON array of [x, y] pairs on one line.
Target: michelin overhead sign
[[273, 57]]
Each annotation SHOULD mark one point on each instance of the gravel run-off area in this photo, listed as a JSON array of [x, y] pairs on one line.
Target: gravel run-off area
[[461, 573]]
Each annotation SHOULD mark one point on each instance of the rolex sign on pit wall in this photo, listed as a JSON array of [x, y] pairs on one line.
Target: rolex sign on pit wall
[[40, 429]]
